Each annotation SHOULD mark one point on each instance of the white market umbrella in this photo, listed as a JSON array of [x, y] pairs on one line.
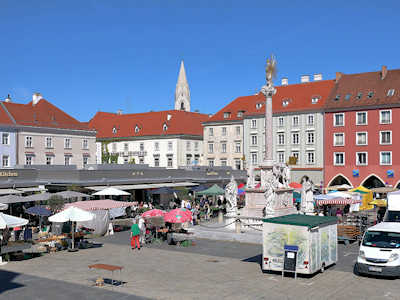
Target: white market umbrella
[[3, 206], [11, 221], [72, 214], [111, 191]]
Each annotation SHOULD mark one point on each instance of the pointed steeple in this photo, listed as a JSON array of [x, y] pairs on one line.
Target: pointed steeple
[[182, 92]]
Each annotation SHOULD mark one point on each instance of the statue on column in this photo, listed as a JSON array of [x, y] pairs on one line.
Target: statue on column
[[307, 199], [270, 185], [250, 184], [231, 194]]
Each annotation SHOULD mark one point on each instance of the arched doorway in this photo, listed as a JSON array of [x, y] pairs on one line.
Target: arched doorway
[[339, 180], [373, 182]]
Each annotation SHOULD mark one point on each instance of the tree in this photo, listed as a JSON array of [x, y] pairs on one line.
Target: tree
[[56, 203]]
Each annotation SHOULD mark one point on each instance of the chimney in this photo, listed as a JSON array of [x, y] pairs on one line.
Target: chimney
[[318, 77], [305, 78], [338, 76], [119, 112], [285, 81], [8, 99], [169, 117], [383, 72], [36, 98]]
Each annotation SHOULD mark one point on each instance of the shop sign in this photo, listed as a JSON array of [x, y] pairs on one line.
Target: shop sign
[[8, 174]]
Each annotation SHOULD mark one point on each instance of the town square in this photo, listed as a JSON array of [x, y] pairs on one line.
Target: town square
[[199, 150]]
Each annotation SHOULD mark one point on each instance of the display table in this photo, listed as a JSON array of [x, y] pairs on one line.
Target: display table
[[110, 268]]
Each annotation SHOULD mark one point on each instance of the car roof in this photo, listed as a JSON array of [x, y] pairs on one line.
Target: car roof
[[386, 226]]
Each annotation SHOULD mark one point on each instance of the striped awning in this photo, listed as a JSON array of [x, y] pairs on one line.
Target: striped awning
[[99, 204], [341, 201]]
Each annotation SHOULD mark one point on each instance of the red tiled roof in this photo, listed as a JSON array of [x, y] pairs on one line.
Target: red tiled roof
[[43, 114], [4, 117], [364, 83], [149, 124], [298, 96]]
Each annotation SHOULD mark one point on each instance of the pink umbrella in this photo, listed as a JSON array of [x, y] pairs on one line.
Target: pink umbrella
[[153, 213], [295, 185], [178, 215]]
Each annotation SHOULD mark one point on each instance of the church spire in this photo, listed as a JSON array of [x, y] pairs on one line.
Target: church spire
[[182, 92]]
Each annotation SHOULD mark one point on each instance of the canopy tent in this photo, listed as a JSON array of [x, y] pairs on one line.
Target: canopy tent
[[3, 206], [99, 204], [383, 190], [111, 191], [198, 188], [336, 201], [9, 191], [12, 199], [340, 187], [72, 194], [11, 221], [340, 194], [379, 202], [38, 210], [162, 191], [38, 197], [212, 191], [367, 197], [323, 197]]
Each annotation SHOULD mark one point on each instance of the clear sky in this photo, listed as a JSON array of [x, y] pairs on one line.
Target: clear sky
[[102, 55]]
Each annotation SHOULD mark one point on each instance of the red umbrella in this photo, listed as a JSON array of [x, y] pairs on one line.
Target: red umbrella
[[153, 213], [178, 215], [295, 185], [241, 186]]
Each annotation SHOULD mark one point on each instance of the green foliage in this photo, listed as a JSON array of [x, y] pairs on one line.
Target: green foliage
[[73, 187], [132, 161], [55, 203], [106, 156]]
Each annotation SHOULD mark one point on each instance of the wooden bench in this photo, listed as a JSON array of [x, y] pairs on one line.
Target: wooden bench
[[110, 268], [348, 233]]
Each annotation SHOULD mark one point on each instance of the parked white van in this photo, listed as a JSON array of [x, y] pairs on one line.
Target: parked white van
[[380, 250]]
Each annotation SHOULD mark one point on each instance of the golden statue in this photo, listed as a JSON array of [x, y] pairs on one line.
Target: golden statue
[[270, 69]]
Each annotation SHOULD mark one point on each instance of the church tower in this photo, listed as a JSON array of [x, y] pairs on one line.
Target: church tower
[[182, 93]]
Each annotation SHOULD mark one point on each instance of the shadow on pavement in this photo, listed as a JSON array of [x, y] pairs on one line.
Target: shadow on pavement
[[6, 279]]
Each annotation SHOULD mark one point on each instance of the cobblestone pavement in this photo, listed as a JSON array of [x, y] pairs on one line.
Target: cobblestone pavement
[[209, 270]]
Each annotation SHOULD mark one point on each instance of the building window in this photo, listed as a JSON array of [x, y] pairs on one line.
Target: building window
[[338, 119], [253, 123], [361, 118], [67, 143], [28, 160], [196, 159], [49, 142], [281, 138], [6, 161], [310, 137], [5, 139], [223, 131], [385, 137], [156, 161], [126, 160], [254, 158], [390, 93], [295, 138], [137, 129], [338, 159], [49, 160], [141, 146], [386, 158], [196, 146], [28, 142], [281, 156], [296, 155], [85, 144], [210, 148], [67, 160], [362, 138], [141, 160], [238, 147], [188, 159], [211, 163], [338, 139], [114, 130], [280, 122], [169, 146], [253, 140], [188, 146], [385, 117], [295, 121], [223, 163], [223, 147], [227, 115], [211, 131], [361, 159], [310, 120], [310, 156], [237, 164], [114, 147], [237, 130], [156, 146], [85, 160], [240, 114], [126, 147]]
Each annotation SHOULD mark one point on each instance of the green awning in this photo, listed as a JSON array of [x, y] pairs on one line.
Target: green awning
[[212, 191], [302, 220]]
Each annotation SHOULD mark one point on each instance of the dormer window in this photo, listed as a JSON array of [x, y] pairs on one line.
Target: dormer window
[[337, 98], [370, 95], [165, 127], [240, 114], [137, 129], [315, 99], [390, 93], [259, 105], [114, 130], [285, 102], [227, 115], [347, 97], [359, 95]]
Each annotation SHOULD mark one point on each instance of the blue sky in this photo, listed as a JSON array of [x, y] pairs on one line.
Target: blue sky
[[100, 55]]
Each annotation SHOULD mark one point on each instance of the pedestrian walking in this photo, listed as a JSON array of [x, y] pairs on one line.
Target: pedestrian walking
[[135, 234]]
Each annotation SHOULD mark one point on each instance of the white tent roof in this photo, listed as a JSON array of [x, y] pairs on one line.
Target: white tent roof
[[3, 206], [340, 195], [72, 214], [11, 221], [111, 191]]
